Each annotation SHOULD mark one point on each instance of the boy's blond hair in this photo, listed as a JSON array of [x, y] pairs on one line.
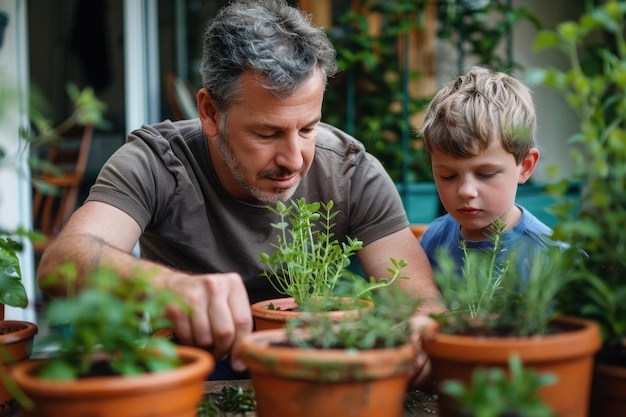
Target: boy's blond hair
[[474, 109]]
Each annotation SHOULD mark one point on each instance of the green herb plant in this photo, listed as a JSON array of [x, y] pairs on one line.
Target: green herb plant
[[493, 392], [106, 327], [594, 86], [309, 263], [231, 400], [486, 296], [386, 325]]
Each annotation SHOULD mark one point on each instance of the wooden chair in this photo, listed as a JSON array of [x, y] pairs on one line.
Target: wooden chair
[[181, 96], [55, 194]]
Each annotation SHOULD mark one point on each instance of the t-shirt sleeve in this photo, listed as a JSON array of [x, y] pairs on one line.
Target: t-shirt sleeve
[[376, 206], [135, 181]]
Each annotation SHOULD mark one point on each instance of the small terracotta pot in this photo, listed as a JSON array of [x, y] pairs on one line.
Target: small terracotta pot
[[16, 342], [608, 394], [161, 394], [569, 355], [289, 381], [287, 308]]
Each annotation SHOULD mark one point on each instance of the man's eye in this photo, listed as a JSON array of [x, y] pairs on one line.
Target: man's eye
[[447, 177], [267, 136]]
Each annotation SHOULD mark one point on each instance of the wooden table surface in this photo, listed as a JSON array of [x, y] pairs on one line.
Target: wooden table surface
[[416, 404]]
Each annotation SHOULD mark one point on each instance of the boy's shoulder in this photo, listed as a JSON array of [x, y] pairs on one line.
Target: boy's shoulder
[[534, 229]]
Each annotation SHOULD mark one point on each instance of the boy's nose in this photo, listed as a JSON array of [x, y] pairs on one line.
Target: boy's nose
[[467, 189]]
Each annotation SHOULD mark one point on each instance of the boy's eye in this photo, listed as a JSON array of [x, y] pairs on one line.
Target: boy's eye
[[487, 174], [447, 177]]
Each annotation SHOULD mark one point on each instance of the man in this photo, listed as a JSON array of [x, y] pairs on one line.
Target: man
[[195, 193]]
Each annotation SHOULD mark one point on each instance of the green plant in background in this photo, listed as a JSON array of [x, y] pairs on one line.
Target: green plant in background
[[494, 393], [485, 295], [88, 109], [12, 291], [366, 98], [106, 327], [478, 29], [309, 263], [594, 86], [386, 325]]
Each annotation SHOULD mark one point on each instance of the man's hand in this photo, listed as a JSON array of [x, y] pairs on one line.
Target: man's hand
[[220, 313], [423, 326]]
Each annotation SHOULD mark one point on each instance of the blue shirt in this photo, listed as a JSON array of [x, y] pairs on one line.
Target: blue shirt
[[526, 237]]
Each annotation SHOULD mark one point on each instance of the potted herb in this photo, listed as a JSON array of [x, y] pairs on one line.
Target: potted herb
[[495, 392], [493, 315], [359, 365], [16, 337], [104, 357], [593, 87], [310, 266], [231, 401]]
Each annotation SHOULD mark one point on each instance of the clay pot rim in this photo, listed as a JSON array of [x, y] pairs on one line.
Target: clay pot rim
[[25, 330], [260, 308], [197, 361], [583, 338], [292, 362]]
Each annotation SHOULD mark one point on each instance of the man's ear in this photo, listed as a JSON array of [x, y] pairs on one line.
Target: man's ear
[[209, 116], [528, 165]]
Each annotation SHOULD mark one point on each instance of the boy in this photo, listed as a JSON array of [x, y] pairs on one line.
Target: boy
[[479, 133]]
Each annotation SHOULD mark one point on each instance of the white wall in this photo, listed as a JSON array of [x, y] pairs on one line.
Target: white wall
[[15, 193]]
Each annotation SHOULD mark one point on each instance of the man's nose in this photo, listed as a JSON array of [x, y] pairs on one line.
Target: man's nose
[[289, 154]]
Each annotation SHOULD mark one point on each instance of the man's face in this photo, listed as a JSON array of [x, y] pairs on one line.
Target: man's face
[[266, 144]]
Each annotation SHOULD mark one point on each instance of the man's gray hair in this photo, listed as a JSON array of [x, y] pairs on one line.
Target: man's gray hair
[[269, 37]]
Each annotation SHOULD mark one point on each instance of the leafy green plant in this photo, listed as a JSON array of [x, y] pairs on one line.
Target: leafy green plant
[[479, 28], [496, 393], [594, 86], [485, 295], [87, 109], [232, 400], [386, 325], [369, 98], [12, 291], [310, 263], [105, 328]]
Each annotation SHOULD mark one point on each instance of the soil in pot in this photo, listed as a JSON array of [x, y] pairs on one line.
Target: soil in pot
[[272, 314]]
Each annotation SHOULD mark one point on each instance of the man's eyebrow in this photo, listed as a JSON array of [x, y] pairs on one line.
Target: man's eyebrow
[[276, 127]]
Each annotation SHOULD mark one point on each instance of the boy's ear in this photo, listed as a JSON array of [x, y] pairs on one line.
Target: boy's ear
[[528, 165], [209, 116]]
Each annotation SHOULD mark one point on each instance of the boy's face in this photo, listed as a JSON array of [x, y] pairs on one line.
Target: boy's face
[[478, 190]]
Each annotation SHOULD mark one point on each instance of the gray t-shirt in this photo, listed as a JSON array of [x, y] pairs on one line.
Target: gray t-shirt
[[163, 178]]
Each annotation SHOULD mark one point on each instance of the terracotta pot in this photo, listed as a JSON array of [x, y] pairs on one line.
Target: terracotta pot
[[289, 381], [173, 393], [569, 355], [608, 394], [418, 229], [16, 340], [286, 308]]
